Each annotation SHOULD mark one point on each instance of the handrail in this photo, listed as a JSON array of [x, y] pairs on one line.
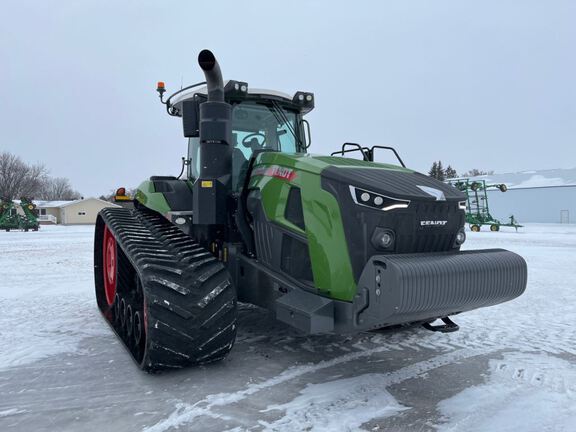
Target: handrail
[[367, 153], [48, 218]]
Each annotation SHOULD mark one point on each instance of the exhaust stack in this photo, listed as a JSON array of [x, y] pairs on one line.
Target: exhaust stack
[[212, 187], [213, 75]]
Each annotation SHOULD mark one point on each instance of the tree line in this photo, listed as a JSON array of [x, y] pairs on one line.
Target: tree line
[[19, 179], [439, 172]]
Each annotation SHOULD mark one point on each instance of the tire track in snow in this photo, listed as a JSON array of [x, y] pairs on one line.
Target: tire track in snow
[[186, 413]]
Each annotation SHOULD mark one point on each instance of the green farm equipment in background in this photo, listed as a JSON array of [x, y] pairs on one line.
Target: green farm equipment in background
[[10, 219], [29, 221], [477, 210]]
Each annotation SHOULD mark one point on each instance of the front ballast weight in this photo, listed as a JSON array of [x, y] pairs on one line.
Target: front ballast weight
[[476, 204], [411, 288]]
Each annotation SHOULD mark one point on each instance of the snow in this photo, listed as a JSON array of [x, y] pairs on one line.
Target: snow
[[10, 412], [533, 179], [45, 293], [527, 392], [343, 404], [510, 367]]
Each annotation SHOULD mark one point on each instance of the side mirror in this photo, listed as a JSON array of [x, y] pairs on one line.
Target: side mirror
[[191, 118], [307, 134]]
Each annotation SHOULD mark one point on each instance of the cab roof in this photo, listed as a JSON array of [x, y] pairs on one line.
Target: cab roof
[[253, 94]]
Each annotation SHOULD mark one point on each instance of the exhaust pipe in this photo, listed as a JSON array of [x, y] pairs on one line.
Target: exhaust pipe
[[213, 75], [211, 189]]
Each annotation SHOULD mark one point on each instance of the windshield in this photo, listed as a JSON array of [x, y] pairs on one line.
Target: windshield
[[255, 126]]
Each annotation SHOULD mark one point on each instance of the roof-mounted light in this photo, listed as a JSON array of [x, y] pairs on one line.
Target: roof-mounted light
[[236, 89], [161, 89], [303, 98]]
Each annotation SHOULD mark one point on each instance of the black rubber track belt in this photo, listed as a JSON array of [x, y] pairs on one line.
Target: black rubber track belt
[[190, 301]]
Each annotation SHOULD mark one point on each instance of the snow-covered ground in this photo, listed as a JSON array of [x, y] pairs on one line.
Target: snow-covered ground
[[511, 367]]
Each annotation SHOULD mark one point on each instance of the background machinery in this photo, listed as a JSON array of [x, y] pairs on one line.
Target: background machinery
[[29, 221], [10, 219], [328, 244], [477, 209]]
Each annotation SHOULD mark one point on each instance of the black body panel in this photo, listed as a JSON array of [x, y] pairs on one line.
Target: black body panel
[[177, 192], [277, 247]]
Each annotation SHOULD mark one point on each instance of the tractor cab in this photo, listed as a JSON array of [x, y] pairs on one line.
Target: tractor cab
[[262, 120]]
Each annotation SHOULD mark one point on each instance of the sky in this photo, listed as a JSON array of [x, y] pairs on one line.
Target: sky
[[487, 85]]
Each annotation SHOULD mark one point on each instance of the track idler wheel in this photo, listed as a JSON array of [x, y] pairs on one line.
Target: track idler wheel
[[110, 258]]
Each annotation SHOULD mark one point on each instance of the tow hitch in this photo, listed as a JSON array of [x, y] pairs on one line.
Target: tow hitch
[[448, 326]]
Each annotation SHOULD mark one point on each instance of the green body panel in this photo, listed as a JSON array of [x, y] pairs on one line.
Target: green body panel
[[328, 249], [148, 197]]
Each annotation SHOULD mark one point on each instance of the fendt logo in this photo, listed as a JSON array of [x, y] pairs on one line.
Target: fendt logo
[[433, 222]]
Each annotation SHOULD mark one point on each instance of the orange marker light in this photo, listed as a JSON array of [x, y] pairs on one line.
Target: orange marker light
[[160, 85]]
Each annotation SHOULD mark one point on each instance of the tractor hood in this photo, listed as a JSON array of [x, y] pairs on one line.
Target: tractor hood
[[397, 184], [391, 180]]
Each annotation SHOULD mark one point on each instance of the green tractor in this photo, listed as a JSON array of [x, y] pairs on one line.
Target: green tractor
[[329, 244]]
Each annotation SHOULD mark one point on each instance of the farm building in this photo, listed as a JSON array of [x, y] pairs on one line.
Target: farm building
[[546, 196], [77, 212]]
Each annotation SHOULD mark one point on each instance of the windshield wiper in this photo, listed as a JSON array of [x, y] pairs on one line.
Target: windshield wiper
[[280, 115]]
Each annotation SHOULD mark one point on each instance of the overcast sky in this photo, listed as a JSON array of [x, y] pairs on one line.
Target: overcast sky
[[488, 84]]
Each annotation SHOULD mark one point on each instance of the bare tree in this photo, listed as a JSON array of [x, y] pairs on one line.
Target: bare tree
[[58, 188], [17, 179]]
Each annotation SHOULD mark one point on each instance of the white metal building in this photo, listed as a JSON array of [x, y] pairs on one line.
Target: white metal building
[[546, 196]]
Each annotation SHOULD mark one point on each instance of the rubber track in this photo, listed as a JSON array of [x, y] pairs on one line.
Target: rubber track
[[189, 297]]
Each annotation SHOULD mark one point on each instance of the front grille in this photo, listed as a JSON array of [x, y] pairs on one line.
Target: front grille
[[429, 238]]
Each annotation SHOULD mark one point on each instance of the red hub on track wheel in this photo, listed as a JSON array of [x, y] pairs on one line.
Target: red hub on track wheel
[[110, 264]]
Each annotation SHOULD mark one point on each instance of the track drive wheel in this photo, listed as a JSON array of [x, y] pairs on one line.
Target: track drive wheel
[[475, 228]]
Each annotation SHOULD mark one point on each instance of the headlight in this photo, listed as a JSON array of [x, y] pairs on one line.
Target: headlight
[[377, 201], [383, 238], [460, 238]]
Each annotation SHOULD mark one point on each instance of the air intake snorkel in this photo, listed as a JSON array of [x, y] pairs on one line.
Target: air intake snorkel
[[212, 187]]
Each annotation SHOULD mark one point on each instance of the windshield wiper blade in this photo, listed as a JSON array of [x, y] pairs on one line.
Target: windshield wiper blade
[[281, 117]]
